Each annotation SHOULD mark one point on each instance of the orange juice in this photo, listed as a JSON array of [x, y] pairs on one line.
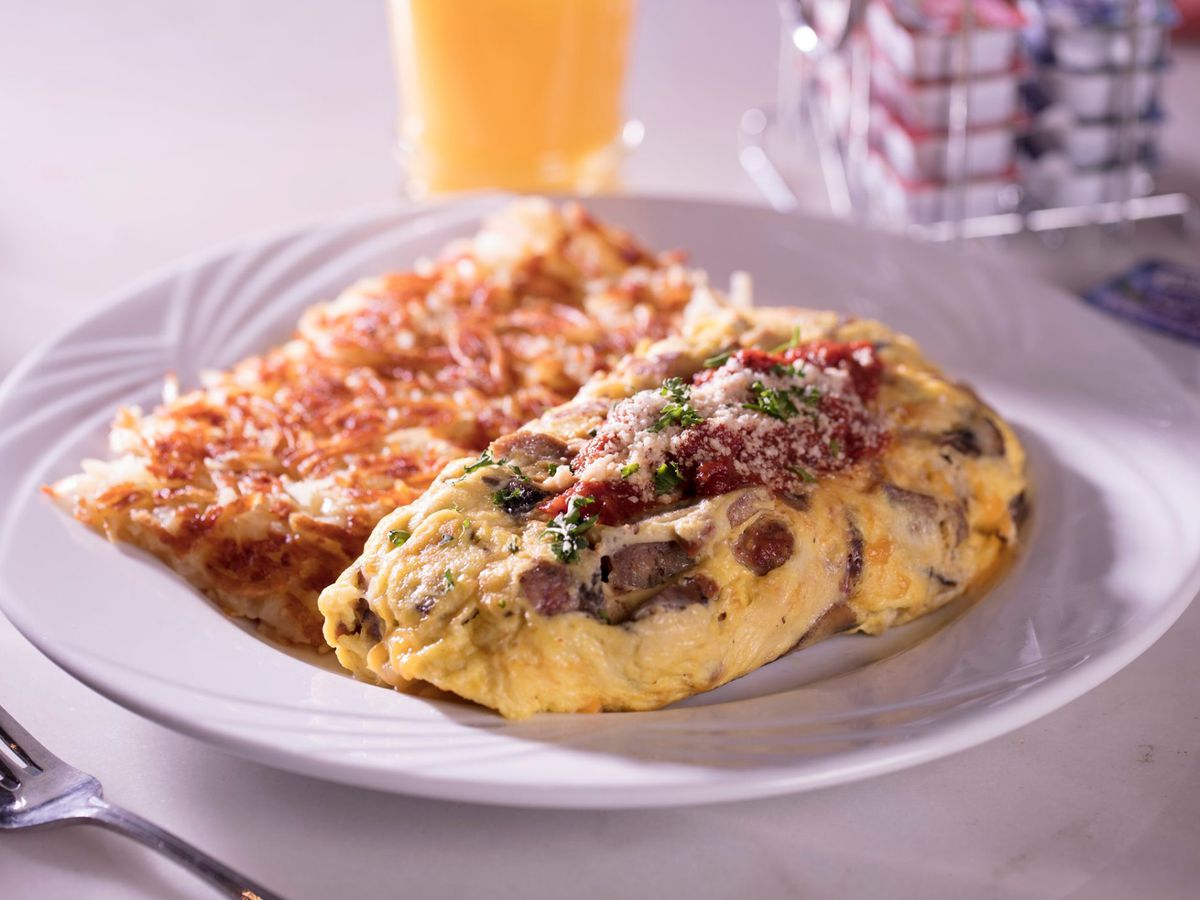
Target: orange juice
[[519, 94]]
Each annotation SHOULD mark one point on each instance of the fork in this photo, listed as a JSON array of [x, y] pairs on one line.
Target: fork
[[39, 790]]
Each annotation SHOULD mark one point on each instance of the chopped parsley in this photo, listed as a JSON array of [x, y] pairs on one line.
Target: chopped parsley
[[778, 404], [513, 547], [629, 469], [717, 360], [518, 496], [835, 447], [551, 468], [791, 344], [680, 410], [449, 576], [667, 477], [675, 388], [806, 476], [566, 530], [398, 537], [770, 402], [485, 459], [787, 371], [511, 493]]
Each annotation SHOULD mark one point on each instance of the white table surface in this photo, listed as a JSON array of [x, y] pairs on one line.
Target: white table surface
[[136, 131]]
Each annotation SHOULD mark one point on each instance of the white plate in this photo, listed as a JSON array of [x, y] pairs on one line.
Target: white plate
[[1110, 563]]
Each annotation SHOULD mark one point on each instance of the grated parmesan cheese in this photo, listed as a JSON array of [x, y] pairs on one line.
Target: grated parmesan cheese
[[767, 423]]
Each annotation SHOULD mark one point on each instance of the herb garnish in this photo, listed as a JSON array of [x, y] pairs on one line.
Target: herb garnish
[[835, 447], [449, 576], [485, 459], [680, 410], [788, 370], [566, 530], [806, 476], [398, 537], [518, 496], [629, 468], [667, 477], [510, 493], [770, 402], [718, 359], [790, 344], [778, 404]]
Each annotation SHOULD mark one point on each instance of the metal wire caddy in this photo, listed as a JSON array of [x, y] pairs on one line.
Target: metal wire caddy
[[801, 113]]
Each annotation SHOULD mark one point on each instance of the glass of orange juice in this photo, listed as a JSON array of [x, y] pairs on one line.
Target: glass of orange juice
[[516, 94]]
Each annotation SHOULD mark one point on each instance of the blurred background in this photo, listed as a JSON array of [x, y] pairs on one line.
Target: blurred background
[[141, 130]]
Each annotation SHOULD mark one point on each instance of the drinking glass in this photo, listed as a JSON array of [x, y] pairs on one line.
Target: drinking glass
[[516, 94]]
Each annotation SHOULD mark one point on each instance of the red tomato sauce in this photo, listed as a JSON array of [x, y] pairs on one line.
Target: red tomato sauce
[[712, 458]]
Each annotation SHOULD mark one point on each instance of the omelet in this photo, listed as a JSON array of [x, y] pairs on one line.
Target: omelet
[[762, 481]]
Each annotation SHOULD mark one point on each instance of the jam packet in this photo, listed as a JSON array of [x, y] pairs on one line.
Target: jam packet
[[1155, 293]]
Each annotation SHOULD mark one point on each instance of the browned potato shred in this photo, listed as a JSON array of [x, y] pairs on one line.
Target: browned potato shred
[[261, 486]]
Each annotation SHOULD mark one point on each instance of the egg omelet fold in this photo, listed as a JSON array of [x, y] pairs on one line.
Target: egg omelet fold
[[508, 584]]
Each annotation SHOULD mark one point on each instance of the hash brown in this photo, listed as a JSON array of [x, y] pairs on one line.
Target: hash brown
[[260, 486]]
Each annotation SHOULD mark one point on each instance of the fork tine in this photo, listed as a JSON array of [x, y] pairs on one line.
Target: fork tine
[[21, 743], [8, 778]]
